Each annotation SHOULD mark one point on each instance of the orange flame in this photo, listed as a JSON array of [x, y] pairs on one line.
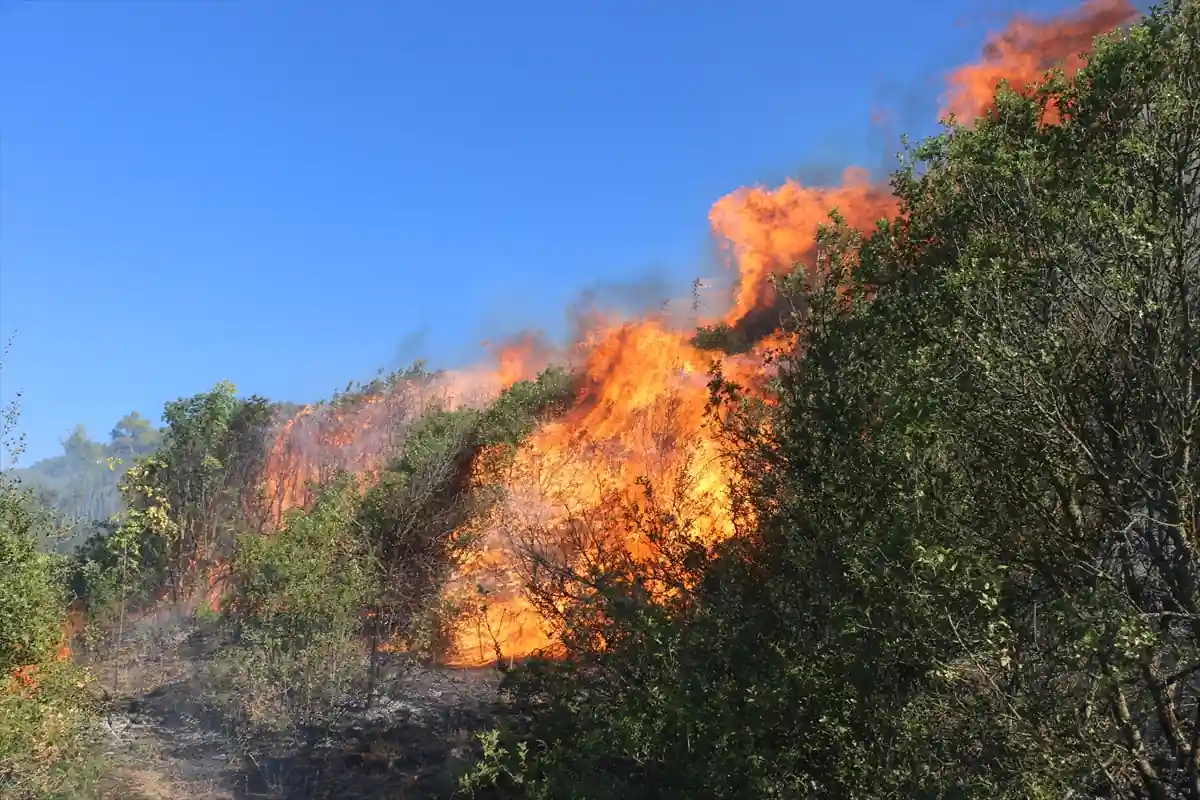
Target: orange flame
[[638, 423], [520, 359], [361, 434], [23, 680], [1025, 50], [769, 231]]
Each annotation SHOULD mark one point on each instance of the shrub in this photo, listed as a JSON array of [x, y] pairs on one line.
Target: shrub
[[47, 713], [294, 613]]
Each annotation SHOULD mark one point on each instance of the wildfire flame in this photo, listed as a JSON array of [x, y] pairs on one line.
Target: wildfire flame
[[640, 413], [360, 435], [770, 230], [638, 423], [1026, 49]]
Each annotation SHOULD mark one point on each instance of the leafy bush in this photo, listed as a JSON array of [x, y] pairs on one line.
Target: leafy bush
[[298, 602], [293, 615], [46, 708]]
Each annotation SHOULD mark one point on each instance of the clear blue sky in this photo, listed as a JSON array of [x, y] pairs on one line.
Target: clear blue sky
[[292, 194]]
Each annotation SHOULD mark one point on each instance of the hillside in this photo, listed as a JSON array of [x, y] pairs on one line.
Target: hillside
[[915, 515], [82, 483]]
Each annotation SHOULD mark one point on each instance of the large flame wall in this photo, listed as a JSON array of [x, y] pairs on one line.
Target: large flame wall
[[641, 409]]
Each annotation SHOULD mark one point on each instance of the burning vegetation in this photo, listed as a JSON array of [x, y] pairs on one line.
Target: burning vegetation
[[790, 510], [641, 408], [1026, 49]]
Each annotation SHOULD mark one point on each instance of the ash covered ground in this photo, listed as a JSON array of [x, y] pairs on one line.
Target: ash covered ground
[[164, 727]]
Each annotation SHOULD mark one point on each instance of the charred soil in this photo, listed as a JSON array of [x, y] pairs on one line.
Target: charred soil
[[170, 738]]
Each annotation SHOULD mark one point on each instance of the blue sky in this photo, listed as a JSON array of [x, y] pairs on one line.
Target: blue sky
[[292, 194]]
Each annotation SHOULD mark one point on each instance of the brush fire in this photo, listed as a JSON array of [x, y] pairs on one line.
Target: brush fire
[[639, 420]]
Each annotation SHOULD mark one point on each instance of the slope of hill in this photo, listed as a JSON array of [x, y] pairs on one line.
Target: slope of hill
[[935, 535]]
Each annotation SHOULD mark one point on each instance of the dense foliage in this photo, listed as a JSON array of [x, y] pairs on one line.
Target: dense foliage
[[975, 573], [294, 613]]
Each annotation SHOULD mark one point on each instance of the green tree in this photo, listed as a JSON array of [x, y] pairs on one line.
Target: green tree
[[79, 447], [133, 436], [184, 504]]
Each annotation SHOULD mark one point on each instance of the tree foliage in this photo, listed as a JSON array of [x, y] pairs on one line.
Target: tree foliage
[[975, 569], [183, 505]]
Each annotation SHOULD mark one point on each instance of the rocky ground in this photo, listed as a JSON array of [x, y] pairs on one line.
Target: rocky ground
[[163, 730]]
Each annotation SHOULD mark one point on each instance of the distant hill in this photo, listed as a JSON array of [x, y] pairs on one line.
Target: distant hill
[[81, 483]]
